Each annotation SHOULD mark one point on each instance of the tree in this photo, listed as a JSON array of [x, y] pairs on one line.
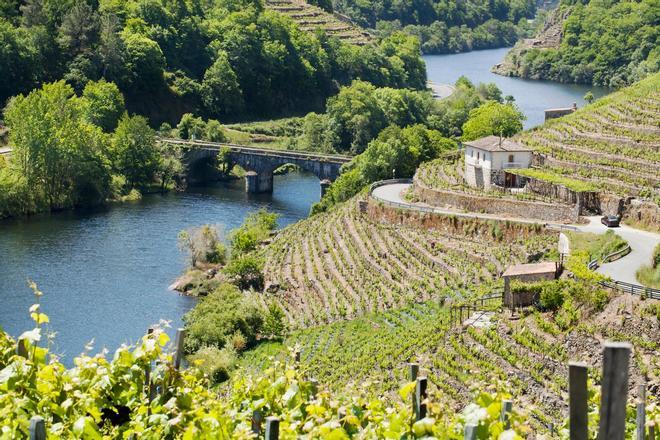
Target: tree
[[214, 131], [59, 155], [145, 63], [589, 97], [103, 104], [79, 28], [493, 118], [171, 168], [221, 90], [191, 127], [203, 245], [134, 150]]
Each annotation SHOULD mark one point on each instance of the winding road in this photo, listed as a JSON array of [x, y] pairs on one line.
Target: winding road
[[642, 243]]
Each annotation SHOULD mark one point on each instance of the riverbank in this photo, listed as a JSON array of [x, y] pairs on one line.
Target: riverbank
[[105, 272]]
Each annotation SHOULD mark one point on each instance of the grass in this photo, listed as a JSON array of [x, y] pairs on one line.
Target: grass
[[649, 276], [557, 179], [597, 245]]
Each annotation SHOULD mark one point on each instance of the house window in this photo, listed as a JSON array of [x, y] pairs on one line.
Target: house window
[[510, 158], [478, 156]]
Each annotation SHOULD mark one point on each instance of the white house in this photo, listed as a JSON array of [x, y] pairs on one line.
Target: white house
[[487, 158]]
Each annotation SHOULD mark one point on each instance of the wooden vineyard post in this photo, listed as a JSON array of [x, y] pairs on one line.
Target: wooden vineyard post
[[507, 406], [420, 397], [257, 420], [178, 354], [37, 428], [652, 431], [641, 413], [272, 428], [470, 432], [614, 391], [315, 387], [413, 369], [578, 398], [296, 357], [21, 349]]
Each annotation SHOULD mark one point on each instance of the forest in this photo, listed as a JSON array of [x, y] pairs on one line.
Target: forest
[[445, 26], [226, 59], [604, 43]]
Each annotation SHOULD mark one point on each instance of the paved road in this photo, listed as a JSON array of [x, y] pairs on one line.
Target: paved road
[[642, 243], [441, 91]]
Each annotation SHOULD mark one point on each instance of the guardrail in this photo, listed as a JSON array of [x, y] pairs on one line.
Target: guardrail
[[634, 289], [559, 227], [616, 255]]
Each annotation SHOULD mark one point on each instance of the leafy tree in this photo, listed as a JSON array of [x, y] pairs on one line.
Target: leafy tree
[[134, 150], [222, 93], [589, 97], [191, 127], [171, 169], [144, 63], [214, 131], [493, 118], [57, 153], [103, 104], [203, 245]]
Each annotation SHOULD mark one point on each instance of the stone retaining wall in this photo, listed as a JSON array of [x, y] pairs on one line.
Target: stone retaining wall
[[589, 201], [496, 230], [500, 206]]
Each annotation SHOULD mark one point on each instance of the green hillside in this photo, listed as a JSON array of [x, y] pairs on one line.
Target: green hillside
[[613, 144], [605, 43]]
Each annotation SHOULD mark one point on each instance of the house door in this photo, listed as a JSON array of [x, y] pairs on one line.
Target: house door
[[510, 180]]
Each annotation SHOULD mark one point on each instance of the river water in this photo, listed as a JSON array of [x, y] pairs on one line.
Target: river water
[[105, 273], [532, 97]]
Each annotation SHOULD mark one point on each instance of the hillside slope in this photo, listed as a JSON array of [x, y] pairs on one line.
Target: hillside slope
[[527, 356], [341, 265], [609, 44], [613, 144], [311, 18]]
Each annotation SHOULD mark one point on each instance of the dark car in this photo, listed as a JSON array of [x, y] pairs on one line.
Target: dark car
[[611, 221]]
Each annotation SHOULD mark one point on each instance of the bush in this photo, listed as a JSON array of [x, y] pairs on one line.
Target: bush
[[203, 245], [218, 318], [215, 363], [247, 271], [255, 229]]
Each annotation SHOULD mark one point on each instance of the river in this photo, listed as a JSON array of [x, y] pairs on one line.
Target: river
[[532, 97], [105, 273]]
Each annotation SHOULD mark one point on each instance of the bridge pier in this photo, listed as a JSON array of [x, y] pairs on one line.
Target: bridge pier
[[259, 183], [325, 184]]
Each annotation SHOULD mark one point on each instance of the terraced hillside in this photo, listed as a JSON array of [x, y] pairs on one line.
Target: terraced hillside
[[527, 357], [613, 144], [311, 18], [340, 265]]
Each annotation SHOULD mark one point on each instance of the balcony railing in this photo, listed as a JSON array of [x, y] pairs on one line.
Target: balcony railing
[[507, 165]]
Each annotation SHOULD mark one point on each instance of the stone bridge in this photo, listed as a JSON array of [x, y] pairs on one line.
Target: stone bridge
[[261, 162]]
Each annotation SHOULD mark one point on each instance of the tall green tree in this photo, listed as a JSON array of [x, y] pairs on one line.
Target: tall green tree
[[493, 118], [103, 104], [56, 151], [134, 151]]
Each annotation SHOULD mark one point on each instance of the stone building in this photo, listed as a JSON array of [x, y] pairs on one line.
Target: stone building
[[527, 273], [487, 159]]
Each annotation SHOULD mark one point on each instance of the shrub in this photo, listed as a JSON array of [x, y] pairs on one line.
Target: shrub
[[203, 245], [215, 363], [247, 271], [217, 318]]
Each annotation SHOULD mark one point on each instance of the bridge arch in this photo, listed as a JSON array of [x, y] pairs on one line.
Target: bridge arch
[[260, 163]]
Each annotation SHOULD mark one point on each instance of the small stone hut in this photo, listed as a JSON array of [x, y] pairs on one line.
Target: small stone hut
[[527, 273]]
